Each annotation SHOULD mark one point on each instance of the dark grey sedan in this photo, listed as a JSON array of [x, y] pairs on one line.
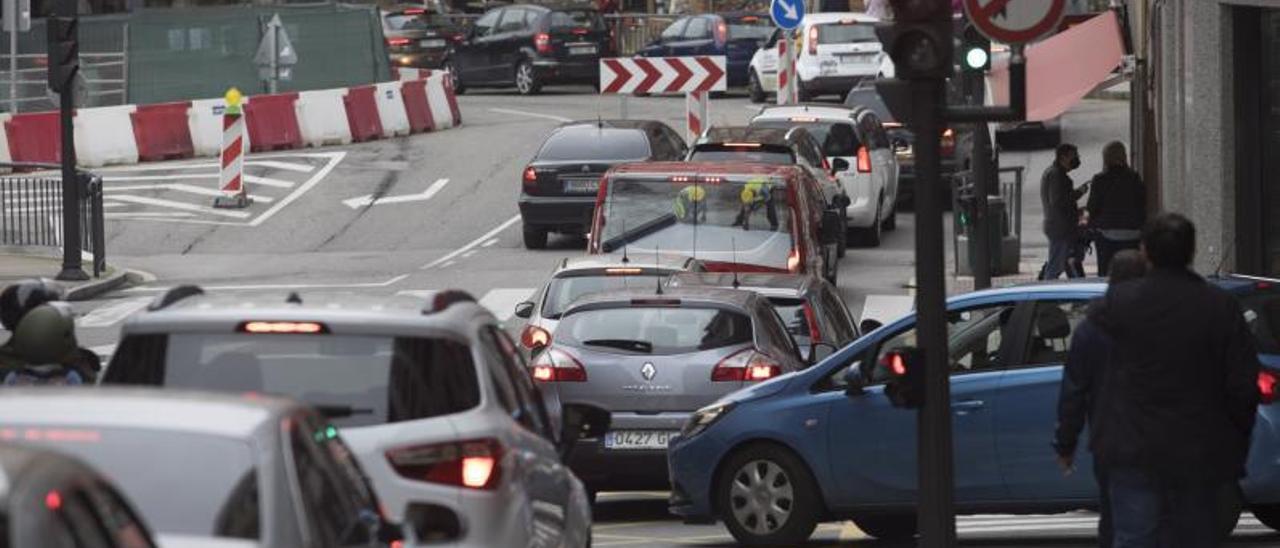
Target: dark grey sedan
[[651, 359]]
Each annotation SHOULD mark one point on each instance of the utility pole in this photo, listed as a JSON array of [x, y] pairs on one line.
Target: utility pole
[[64, 64]]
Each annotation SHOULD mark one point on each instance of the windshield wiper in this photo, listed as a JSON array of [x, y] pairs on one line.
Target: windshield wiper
[[645, 229], [340, 411], [645, 347]]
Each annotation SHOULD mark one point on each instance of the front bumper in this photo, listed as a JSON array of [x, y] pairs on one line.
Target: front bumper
[[551, 71], [692, 464], [571, 214]]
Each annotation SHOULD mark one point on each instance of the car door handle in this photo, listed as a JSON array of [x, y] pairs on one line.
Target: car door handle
[[967, 406]]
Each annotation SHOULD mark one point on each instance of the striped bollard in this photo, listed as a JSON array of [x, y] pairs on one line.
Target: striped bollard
[[786, 72], [231, 166], [696, 105]]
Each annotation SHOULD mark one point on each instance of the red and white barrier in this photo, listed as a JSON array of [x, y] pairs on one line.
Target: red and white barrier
[[322, 118], [662, 74], [786, 73], [231, 166], [395, 121], [4, 138], [411, 73], [438, 101], [205, 122], [98, 131], [696, 106]]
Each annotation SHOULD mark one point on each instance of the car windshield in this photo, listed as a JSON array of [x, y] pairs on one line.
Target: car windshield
[[721, 154], [654, 330], [562, 291], [398, 21], [792, 312], [595, 144], [842, 33], [750, 27], [578, 19], [184, 483], [739, 221], [355, 380], [838, 139]]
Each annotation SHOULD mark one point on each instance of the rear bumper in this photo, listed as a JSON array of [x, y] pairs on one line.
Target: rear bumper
[[418, 59], [608, 470], [563, 213], [553, 71]]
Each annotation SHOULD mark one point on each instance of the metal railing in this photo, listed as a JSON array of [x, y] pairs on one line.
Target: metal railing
[[1009, 220], [103, 80], [31, 212]]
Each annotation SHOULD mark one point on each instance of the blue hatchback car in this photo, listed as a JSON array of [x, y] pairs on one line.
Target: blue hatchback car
[[773, 460], [736, 36]]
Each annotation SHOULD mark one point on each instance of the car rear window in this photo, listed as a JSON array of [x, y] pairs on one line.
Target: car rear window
[[577, 19], [595, 144], [837, 139], [721, 153], [793, 316], [562, 291], [750, 27], [356, 380], [1262, 312], [184, 483], [846, 33], [398, 21], [666, 330]]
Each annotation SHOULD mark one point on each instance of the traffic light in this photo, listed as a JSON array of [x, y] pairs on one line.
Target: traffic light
[[64, 50], [918, 39], [905, 366], [975, 51]]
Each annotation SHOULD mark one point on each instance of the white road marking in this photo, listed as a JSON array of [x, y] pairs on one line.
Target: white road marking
[[886, 308], [267, 181], [468, 254], [369, 199], [275, 164], [191, 189], [502, 302], [489, 243], [287, 166], [254, 287], [334, 159], [111, 314], [473, 243], [179, 205], [148, 215], [531, 114]]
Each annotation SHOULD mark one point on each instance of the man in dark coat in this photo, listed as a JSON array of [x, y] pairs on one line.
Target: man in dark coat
[[1180, 396], [1058, 195], [1117, 205]]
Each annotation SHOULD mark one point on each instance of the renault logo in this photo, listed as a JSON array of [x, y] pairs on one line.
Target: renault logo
[[586, 169], [648, 371]]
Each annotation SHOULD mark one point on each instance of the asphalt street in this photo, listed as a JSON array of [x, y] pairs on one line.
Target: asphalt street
[[439, 211]]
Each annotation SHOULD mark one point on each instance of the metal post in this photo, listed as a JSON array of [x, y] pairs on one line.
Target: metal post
[[936, 517], [983, 175], [272, 83], [13, 68], [71, 261]]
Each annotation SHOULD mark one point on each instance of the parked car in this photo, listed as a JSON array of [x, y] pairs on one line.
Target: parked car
[[858, 460], [529, 46], [794, 146], [432, 395], [857, 147], [650, 358], [247, 467], [578, 276], [418, 36], [558, 187], [735, 35], [744, 217], [50, 499], [810, 306], [834, 53]]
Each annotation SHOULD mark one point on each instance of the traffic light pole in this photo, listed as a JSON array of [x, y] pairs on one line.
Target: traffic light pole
[[72, 269]]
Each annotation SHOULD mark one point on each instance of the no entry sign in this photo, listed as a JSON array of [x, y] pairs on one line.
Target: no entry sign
[[1015, 21]]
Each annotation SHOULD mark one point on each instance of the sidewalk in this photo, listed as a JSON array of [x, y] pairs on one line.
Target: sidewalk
[[18, 263]]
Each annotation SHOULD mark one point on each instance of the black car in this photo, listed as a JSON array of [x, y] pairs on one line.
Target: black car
[[418, 37], [558, 188], [529, 46]]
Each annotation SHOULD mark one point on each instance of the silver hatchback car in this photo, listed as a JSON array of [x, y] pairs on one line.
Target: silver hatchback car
[[652, 358]]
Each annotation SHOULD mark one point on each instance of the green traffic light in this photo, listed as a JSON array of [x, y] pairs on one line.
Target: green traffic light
[[976, 58]]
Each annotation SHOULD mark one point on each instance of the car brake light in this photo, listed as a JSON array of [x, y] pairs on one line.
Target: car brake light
[[804, 119], [742, 145], [530, 176], [864, 160], [948, 141], [415, 11], [580, 32], [812, 319], [53, 500], [813, 40], [534, 337], [748, 365], [473, 464], [283, 328], [542, 42], [555, 365], [1266, 386], [793, 261], [396, 42], [623, 271]]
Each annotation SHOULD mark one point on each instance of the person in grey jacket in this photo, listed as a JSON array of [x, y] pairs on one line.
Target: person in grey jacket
[[1117, 206], [1058, 195]]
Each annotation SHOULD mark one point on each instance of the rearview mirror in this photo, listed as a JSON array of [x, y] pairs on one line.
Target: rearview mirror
[[839, 164], [524, 310], [868, 325], [582, 422], [820, 351], [855, 381]]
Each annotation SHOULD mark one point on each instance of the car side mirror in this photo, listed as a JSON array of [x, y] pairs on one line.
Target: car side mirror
[[830, 228], [900, 145], [868, 325], [839, 164], [524, 310], [582, 422], [855, 381], [820, 351]]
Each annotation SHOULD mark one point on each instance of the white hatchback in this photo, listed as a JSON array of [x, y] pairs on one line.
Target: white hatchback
[[836, 52]]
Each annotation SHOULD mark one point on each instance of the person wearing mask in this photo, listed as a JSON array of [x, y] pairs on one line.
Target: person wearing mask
[[1180, 397], [1058, 195], [1087, 365], [1117, 205]]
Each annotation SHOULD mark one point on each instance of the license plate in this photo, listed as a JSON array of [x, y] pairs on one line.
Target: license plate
[[582, 50], [854, 59], [582, 186], [630, 440], [433, 43]]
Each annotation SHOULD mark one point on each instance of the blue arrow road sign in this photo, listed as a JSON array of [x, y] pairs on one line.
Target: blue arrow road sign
[[787, 14]]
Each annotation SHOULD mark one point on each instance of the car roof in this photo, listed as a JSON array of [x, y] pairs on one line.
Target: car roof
[[768, 284], [706, 168], [836, 17], [555, 6], [821, 111], [225, 415], [748, 134], [691, 295], [671, 261], [577, 125]]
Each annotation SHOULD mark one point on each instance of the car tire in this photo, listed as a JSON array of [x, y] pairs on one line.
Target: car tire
[[871, 236], [527, 79], [534, 237], [755, 89], [888, 527], [842, 247], [1268, 514], [891, 221], [452, 71], [745, 476]]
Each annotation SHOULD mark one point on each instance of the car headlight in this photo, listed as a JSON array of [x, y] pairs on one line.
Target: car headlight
[[704, 418]]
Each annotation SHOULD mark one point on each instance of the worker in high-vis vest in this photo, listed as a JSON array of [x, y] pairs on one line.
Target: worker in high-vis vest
[[691, 204], [756, 194]]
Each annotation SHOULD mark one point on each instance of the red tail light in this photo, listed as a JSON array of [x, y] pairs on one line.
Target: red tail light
[[580, 32], [813, 40], [555, 365], [415, 11], [530, 177], [397, 42], [864, 160], [948, 142], [748, 365], [542, 42], [534, 337], [1266, 386], [474, 464], [793, 261]]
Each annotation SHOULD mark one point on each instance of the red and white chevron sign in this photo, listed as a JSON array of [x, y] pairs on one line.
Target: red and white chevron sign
[[662, 74]]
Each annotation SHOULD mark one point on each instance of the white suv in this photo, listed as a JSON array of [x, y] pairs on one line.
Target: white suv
[[858, 149], [836, 51]]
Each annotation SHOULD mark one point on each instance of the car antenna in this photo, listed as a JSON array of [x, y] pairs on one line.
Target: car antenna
[[656, 261], [733, 246], [625, 239]]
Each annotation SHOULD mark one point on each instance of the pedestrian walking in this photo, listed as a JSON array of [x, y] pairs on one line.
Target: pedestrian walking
[[1117, 205], [1088, 363], [1059, 195], [1179, 400]]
